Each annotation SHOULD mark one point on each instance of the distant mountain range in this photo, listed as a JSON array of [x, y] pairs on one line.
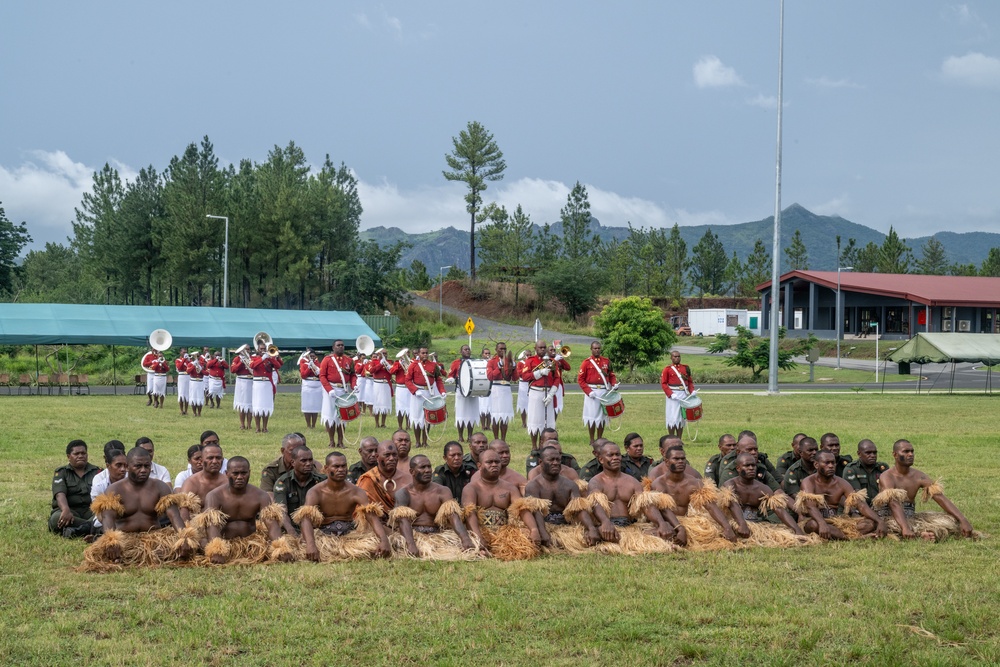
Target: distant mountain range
[[450, 246]]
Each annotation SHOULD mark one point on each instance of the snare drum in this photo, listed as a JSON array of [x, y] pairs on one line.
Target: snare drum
[[613, 403], [435, 411], [347, 406], [691, 405], [472, 381]]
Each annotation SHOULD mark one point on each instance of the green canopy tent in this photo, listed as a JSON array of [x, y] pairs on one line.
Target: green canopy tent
[[76, 324], [942, 348]]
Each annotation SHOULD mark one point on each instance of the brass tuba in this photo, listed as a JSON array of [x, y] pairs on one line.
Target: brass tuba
[[265, 338]]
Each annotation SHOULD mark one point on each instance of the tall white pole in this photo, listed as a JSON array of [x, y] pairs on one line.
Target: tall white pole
[[772, 366], [876, 353], [225, 260], [840, 310]]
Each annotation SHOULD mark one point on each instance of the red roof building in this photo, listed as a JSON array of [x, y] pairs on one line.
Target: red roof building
[[896, 305]]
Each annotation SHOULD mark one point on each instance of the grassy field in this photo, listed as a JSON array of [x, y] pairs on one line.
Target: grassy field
[[885, 603]]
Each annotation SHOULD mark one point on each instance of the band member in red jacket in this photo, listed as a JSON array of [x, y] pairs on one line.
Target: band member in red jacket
[[677, 384], [401, 393], [183, 385], [501, 371], [560, 367], [311, 388], [159, 366], [379, 387], [466, 407], [541, 391], [147, 366], [424, 379], [595, 379], [196, 383], [217, 367], [243, 391], [336, 373], [262, 367]]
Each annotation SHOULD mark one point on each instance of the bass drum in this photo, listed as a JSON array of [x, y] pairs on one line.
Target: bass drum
[[472, 381]]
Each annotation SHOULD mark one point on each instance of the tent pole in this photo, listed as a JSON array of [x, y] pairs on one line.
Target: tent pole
[[951, 389], [114, 371], [36, 370], [920, 377]]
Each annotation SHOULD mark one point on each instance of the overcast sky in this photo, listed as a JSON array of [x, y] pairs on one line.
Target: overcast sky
[[665, 110]]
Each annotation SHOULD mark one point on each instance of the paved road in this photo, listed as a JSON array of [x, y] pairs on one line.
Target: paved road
[[497, 330]]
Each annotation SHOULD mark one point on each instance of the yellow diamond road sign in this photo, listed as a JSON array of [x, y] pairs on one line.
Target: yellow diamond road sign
[[470, 326]]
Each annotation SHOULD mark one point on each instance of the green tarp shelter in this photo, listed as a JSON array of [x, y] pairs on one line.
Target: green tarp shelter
[[953, 348], [939, 348], [74, 324]]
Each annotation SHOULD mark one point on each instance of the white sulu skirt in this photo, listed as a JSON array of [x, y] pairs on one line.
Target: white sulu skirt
[[196, 391], [263, 397], [593, 411], [183, 386], [501, 404], [312, 395], [243, 394], [380, 396]]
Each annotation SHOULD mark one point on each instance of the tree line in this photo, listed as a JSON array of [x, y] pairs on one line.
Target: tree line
[[293, 239], [293, 242]]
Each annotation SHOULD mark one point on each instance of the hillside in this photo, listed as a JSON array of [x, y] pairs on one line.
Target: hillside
[[819, 233]]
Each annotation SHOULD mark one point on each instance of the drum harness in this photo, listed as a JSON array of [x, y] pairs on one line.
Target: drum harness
[[607, 387]]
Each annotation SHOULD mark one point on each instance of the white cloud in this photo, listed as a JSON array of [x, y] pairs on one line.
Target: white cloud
[[44, 190], [836, 206], [764, 101], [710, 72], [972, 69], [362, 20], [827, 82], [430, 208]]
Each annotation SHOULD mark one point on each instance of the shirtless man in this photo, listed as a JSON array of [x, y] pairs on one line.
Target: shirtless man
[[904, 476], [619, 489], [560, 492], [681, 487], [402, 441], [336, 500], [139, 496], [565, 470], [750, 491], [507, 473], [425, 498], [210, 477], [663, 467], [241, 502], [493, 496], [835, 491], [382, 481]]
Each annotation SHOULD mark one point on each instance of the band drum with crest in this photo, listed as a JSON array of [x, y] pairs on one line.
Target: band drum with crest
[[472, 380], [347, 406], [435, 411], [613, 403], [692, 407]]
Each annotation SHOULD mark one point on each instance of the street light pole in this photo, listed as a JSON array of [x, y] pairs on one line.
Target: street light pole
[[772, 366], [225, 261], [441, 293], [839, 310]]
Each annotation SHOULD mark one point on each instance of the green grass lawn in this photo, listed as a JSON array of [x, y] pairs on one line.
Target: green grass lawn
[[862, 603]]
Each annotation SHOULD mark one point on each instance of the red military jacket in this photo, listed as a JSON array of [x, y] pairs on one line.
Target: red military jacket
[[217, 367], [159, 366], [456, 366], [330, 376], [398, 372], [499, 370], [415, 379], [180, 363], [239, 368], [377, 371], [528, 374], [679, 375], [588, 375], [558, 368], [305, 371], [147, 361], [195, 372]]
